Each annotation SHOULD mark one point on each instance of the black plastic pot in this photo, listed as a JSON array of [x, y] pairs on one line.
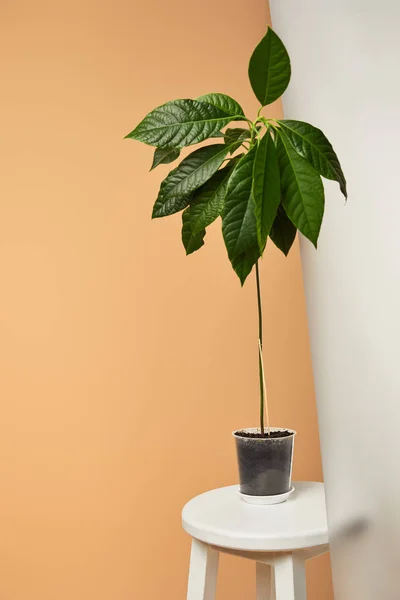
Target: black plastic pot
[[265, 464]]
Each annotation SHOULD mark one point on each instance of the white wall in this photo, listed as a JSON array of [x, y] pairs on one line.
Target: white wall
[[345, 58]]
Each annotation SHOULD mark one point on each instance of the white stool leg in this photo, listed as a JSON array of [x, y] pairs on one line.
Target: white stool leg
[[203, 572], [265, 582], [290, 577]]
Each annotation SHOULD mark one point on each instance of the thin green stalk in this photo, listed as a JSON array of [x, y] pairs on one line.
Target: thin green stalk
[[260, 335]]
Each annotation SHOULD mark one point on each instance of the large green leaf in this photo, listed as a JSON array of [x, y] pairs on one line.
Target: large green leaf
[[283, 232], [225, 104], [301, 188], [191, 241], [238, 218], [162, 156], [181, 123], [207, 201], [190, 174], [266, 188], [312, 144], [269, 69], [235, 136]]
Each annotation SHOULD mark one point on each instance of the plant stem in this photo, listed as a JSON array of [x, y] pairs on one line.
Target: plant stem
[[260, 335]]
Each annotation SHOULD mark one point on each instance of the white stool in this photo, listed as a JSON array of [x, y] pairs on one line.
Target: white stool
[[279, 538]]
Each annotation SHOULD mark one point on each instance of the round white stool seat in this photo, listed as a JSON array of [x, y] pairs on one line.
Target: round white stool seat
[[221, 518], [278, 538]]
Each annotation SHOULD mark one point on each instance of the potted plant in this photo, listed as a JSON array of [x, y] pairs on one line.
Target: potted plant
[[263, 179]]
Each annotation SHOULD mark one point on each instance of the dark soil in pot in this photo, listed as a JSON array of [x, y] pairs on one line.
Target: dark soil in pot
[[265, 461], [273, 434]]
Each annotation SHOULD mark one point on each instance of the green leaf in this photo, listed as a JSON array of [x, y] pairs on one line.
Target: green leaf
[[207, 202], [191, 241], [164, 157], [312, 145], [269, 69], [266, 188], [301, 188], [225, 104], [238, 218], [243, 264], [283, 232], [180, 123], [190, 174], [234, 137]]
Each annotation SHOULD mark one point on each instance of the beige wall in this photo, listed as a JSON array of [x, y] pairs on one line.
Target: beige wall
[[124, 365]]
